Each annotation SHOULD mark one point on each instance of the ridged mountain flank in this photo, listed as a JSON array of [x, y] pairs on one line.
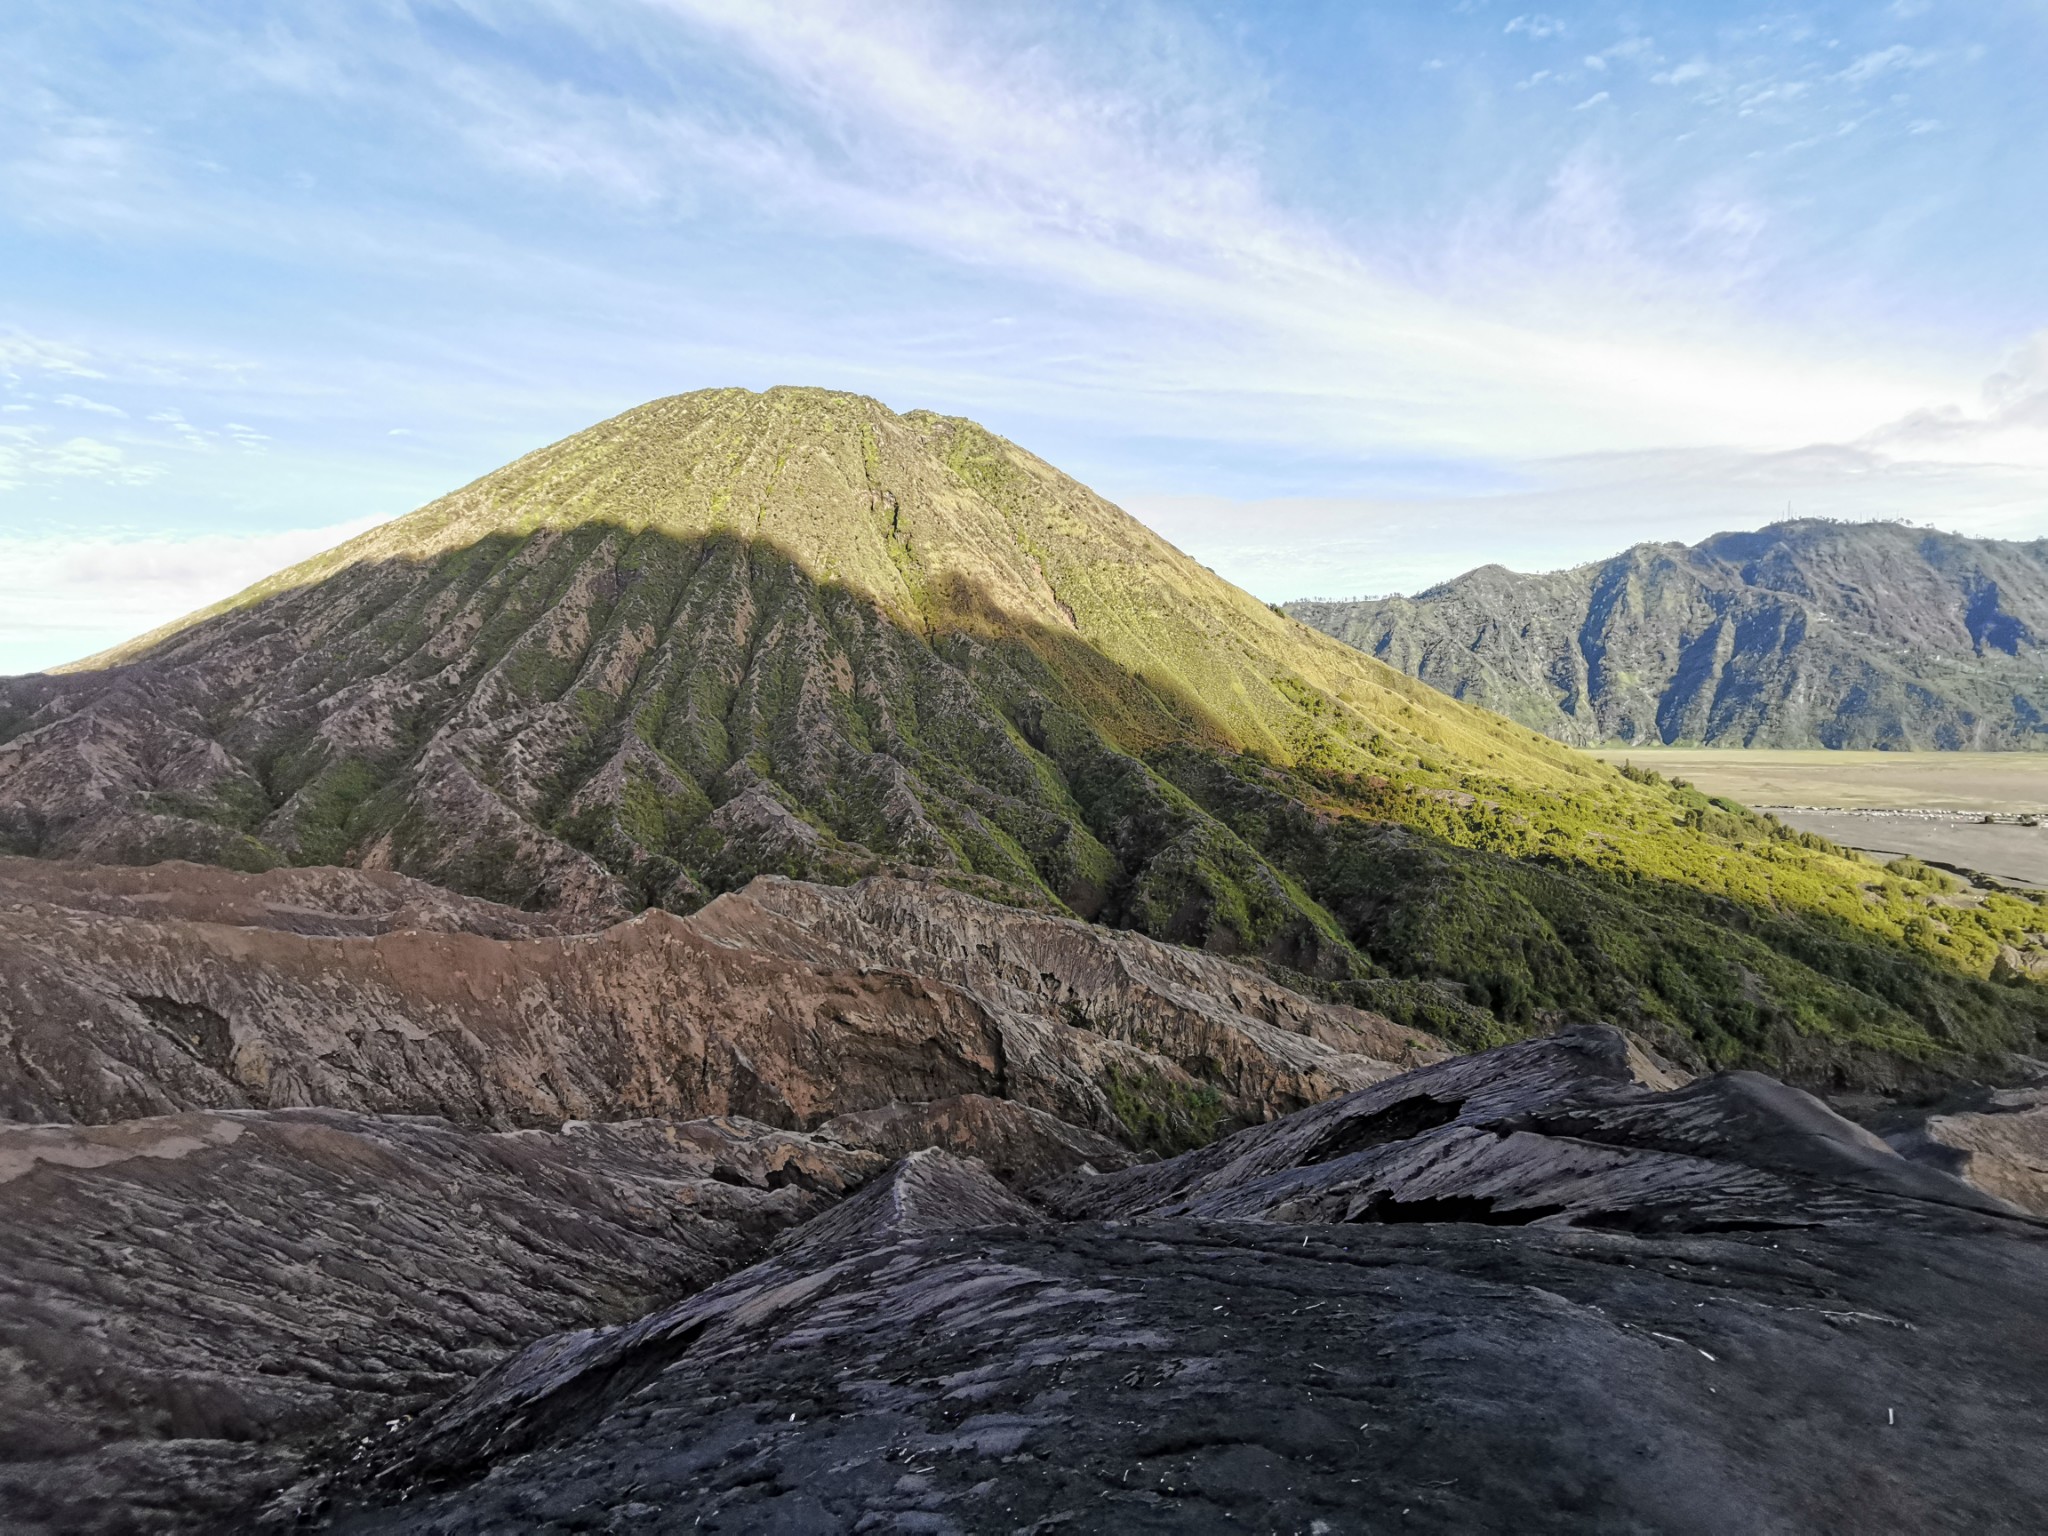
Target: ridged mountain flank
[[730, 634], [1803, 634]]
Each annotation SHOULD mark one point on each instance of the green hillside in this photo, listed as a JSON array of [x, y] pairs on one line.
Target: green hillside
[[729, 633], [1803, 634]]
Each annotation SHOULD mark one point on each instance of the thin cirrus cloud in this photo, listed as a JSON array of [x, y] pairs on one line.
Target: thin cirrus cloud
[[976, 160], [1225, 264]]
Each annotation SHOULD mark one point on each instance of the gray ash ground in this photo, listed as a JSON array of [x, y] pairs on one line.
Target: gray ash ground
[[1720, 1309], [1227, 1377], [2011, 849]]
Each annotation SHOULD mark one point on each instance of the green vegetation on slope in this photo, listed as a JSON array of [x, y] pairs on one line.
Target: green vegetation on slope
[[1808, 633], [794, 632]]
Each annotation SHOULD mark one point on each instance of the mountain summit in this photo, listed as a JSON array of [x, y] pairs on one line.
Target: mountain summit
[[1803, 634], [729, 634]]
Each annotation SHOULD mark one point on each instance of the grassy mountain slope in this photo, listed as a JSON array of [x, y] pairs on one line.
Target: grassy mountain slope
[[795, 632], [1802, 634]]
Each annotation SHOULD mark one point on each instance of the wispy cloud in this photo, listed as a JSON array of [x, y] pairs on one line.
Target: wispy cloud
[[21, 355], [939, 136], [81, 403], [1116, 222], [1884, 61], [28, 454]]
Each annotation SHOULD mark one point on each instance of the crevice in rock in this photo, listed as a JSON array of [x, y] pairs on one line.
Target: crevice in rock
[[1479, 1209], [194, 1028], [1401, 1121]]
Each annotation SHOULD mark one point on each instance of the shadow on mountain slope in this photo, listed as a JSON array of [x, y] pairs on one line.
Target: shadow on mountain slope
[[597, 718]]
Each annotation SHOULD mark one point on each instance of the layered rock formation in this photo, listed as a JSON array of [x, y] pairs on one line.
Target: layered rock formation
[[288, 1299], [786, 1003], [1996, 1138], [1802, 634], [1519, 1291], [275, 1197]]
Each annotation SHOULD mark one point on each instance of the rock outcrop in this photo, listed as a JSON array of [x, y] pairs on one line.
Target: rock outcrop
[[1518, 1291], [1802, 634], [1995, 1138]]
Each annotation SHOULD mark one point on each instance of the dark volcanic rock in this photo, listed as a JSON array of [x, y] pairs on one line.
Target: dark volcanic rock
[[1018, 1144], [184, 1300], [1518, 1292]]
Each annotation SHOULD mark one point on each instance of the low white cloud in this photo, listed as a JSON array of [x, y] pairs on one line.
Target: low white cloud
[[62, 598], [1683, 74], [173, 420], [21, 355], [1593, 100], [1535, 26], [1978, 469], [1573, 511], [2007, 424]]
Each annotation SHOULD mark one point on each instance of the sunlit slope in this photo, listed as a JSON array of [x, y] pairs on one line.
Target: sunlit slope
[[946, 526], [729, 633]]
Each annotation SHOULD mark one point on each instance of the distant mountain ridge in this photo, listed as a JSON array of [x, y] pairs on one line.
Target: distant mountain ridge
[[1806, 633]]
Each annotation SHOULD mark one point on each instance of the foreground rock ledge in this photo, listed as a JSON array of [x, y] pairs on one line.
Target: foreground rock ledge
[[1514, 1292]]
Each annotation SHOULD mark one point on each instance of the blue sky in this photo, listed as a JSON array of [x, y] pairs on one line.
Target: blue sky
[[1341, 298]]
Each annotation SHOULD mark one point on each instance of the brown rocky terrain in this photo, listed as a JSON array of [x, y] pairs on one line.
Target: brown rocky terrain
[[319, 902], [786, 1003], [1996, 1138]]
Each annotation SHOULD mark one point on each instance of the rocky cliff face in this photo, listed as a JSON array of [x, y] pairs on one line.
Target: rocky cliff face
[[1802, 634], [729, 635]]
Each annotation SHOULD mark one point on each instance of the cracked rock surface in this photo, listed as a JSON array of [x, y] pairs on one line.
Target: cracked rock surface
[[185, 1299], [1519, 1291]]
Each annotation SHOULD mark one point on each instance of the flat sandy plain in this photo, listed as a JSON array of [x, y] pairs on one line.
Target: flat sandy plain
[[1928, 804]]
